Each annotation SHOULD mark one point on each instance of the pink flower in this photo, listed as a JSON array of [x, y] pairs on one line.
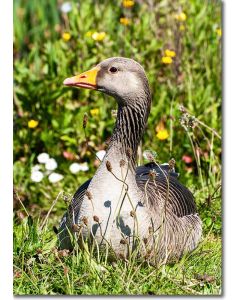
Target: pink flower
[[68, 155], [187, 159]]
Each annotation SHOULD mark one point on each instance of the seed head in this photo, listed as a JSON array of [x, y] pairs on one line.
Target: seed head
[[63, 253], [109, 166], [89, 195], [145, 240], [65, 270], [150, 230], [150, 155], [129, 152], [66, 197], [122, 256], [172, 163], [132, 213], [96, 219], [122, 163], [152, 174], [182, 109], [123, 241], [85, 220], [85, 120], [75, 228]]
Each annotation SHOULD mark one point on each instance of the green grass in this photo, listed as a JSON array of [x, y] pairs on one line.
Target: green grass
[[40, 269], [42, 60]]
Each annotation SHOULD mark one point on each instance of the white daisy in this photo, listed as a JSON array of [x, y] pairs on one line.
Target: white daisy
[[35, 168], [43, 158], [76, 167], [51, 164], [55, 177], [37, 176], [66, 7]]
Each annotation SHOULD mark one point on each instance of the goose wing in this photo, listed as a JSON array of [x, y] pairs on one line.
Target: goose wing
[[71, 216], [165, 188]]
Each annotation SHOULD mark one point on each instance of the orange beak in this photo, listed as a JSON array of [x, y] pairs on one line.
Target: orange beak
[[85, 80]]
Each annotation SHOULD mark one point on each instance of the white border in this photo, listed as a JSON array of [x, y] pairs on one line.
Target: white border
[[6, 78], [231, 150]]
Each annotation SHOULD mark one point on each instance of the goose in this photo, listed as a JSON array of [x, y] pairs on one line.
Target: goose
[[124, 206]]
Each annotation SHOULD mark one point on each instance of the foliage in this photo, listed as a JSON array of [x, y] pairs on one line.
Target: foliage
[[179, 45]]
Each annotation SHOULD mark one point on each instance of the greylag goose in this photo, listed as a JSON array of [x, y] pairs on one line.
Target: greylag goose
[[124, 206]]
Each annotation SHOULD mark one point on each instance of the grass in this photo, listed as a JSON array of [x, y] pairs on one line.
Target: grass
[[186, 103], [39, 268]]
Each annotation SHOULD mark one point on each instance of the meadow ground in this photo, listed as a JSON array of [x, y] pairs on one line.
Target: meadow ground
[[179, 45]]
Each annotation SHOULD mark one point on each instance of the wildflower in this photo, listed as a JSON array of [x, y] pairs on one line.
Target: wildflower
[[94, 112], [166, 60], [98, 36], [36, 176], [68, 155], [88, 34], [51, 164], [181, 17], [66, 7], [55, 177], [35, 168], [219, 32], [181, 27], [162, 134], [187, 159], [100, 154], [127, 3], [43, 158], [125, 21], [66, 36], [32, 124], [170, 53], [76, 167]]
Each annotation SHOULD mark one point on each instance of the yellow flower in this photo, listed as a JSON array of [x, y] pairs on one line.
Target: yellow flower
[[94, 112], [125, 21], [98, 36], [181, 17], [170, 53], [166, 60], [32, 124], [66, 36], [181, 27], [89, 33], [128, 3], [162, 134], [219, 32]]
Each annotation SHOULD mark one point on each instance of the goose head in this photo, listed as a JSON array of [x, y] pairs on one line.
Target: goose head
[[122, 78]]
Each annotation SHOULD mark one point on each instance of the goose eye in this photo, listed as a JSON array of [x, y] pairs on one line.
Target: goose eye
[[113, 70]]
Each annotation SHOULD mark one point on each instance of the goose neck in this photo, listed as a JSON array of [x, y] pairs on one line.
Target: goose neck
[[129, 128]]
